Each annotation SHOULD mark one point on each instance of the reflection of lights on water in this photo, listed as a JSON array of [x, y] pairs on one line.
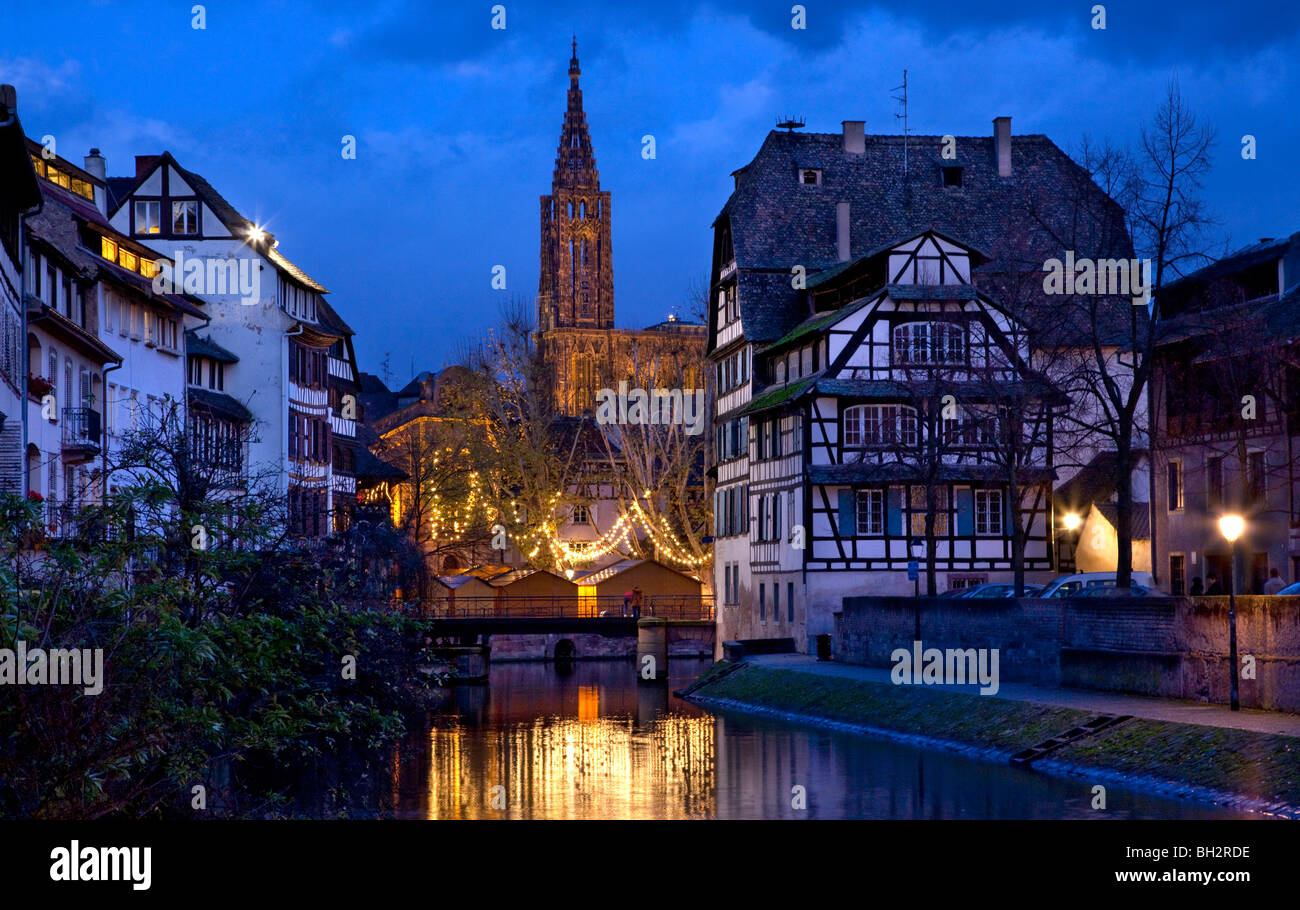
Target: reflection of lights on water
[[575, 767]]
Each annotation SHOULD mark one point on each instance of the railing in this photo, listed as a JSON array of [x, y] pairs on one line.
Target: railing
[[541, 606], [342, 426], [68, 520], [80, 427], [341, 369]]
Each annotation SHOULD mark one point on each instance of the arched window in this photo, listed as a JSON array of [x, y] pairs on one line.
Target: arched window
[[879, 425], [930, 343]]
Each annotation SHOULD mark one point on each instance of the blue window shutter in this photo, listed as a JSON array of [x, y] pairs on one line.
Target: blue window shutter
[[894, 511], [1008, 519], [966, 511], [848, 514]]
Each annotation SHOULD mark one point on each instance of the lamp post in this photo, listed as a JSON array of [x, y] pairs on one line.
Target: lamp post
[[1231, 527]]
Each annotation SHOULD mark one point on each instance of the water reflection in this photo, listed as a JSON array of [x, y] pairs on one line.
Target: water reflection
[[595, 744]]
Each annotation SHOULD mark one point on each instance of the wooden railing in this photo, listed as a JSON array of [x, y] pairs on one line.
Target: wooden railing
[[541, 606]]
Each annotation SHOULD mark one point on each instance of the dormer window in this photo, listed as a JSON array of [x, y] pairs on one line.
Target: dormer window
[[952, 175], [185, 217], [929, 343], [148, 217], [810, 176]]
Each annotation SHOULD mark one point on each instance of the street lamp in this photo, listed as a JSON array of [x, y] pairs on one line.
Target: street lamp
[[1071, 521], [1230, 526]]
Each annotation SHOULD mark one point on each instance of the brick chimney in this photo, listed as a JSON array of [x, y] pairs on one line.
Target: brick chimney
[[1002, 143], [855, 142], [143, 163]]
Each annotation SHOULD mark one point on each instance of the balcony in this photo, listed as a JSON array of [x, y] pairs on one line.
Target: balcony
[[341, 369], [342, 426], [81, 431]]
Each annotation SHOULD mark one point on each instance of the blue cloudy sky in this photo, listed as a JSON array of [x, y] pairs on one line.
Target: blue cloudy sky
[[457, 123]]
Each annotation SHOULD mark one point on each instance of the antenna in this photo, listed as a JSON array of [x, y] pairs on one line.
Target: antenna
[[790, 124], [902, 99]]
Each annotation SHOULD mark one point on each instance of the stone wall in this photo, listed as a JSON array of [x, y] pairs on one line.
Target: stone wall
[[1172, 647], [685, 639]]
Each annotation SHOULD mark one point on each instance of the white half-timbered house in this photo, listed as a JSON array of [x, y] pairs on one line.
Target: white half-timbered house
[[884, 435], [876, 401]]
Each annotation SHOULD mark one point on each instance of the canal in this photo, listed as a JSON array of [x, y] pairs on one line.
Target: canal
[[588, 742]]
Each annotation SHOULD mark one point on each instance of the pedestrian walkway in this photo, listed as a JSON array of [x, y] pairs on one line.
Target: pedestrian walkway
[[1167, 709]]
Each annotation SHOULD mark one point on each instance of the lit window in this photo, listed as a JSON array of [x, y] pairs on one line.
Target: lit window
[[148, 217], [107, 248], [185, 217], [147, 268], [127, 260]]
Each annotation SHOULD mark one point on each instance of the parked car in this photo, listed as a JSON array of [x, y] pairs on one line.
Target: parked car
[[1290, 589], [1067, 585], [1109, 590], [990, 590]]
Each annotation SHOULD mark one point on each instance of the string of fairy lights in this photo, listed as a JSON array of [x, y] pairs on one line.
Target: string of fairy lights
[[477, 508]]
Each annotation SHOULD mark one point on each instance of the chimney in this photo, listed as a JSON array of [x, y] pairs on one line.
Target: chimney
[[855, 142], [842, 230], [96, 167], [143, 163], [1002, 142], [8, 102]]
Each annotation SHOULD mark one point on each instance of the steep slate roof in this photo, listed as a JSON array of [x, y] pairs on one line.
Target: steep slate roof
[[777, 223], [218, 401], [206, 347]]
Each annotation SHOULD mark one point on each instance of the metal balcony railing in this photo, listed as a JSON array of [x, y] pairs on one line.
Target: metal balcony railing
[[81, 428]]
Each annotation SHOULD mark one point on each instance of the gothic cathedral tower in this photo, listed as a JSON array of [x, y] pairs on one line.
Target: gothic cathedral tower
[[576, 288]]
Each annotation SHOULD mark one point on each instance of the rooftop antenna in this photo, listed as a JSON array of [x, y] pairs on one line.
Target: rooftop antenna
[[902, 99], [790, 124]]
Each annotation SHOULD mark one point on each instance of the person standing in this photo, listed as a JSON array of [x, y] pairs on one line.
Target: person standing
[[1213, 588], [1274, 583], [636, 603], [1198, 590]]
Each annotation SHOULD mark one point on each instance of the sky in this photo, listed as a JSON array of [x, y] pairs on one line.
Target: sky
[[456, 123]]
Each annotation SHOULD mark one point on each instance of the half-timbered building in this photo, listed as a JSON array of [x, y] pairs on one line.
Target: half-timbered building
[[880, 395]]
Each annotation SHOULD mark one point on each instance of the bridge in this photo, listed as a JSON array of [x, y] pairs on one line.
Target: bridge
[[543, 627]]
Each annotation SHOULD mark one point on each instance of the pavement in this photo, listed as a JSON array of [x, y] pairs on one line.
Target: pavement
[[1167, 709]]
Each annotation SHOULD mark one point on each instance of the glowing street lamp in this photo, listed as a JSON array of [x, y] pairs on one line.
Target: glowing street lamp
[[1231, 526], [1071, 521]]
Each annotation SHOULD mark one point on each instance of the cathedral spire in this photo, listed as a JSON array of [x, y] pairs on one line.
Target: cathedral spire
[[576, 286], [575, 163]]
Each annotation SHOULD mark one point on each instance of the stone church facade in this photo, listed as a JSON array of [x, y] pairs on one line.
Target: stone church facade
[[575, 297]]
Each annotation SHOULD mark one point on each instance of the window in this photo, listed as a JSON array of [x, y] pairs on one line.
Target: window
[[929, 343], [185, 217], [1214, 481], [810, 177], [148, 217], [873, 425], [776, 601], [581, 516], [988, 512], [762, 602], [196, 371], [1175, 486], [789, 601], [1177, 570], [918, 509], [871, 512], [1255, 476], [952, 175]]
